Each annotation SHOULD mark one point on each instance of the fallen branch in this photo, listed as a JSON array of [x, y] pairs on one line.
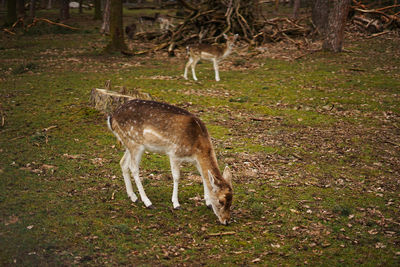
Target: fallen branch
[[34, 22], [377, 34], [221, 234]]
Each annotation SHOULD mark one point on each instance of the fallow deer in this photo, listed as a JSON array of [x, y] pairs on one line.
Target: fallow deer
[[165, 22], [148, 21], [214, 53], [158, 127]]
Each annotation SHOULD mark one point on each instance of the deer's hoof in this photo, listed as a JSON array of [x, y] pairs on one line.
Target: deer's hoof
[[151, 207]]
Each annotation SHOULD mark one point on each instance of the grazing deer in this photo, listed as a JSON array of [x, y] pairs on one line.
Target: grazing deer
[[157, 127], [213, 53]]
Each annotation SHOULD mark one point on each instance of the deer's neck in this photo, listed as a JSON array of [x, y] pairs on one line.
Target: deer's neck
[[227, 51], [209, 163]]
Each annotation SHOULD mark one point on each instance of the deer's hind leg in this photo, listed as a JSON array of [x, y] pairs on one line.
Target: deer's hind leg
[[175, 175]]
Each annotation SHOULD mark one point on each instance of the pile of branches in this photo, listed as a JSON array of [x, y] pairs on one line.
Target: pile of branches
[[278, 29], [376, 21], [210, 19], [205, 21]]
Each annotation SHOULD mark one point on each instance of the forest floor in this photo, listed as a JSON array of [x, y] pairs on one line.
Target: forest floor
[[312, 138]]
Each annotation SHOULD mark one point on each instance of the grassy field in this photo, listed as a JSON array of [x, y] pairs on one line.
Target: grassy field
[[314, 144]]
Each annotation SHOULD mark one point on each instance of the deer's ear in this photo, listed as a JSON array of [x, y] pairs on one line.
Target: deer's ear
[[212, 181], [225, 36], [236, 36], [227, 176]]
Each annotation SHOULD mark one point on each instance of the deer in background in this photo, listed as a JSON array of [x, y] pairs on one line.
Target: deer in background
[[165, 22], [214, 53], [158, 127], [148, 20]]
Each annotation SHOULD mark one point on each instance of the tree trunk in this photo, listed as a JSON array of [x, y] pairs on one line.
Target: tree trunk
[[97, 10], [336, 24], [64, 10], [11, 12], [105, 27], [320, 15], [276, 8], [117, 42], [49, 6], [296, 8], [32, 8], [80, 6], [21, 8]]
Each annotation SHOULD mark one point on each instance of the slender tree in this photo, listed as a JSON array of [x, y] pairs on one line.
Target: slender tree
[[97, 10], [117, 42], [32, 8], [105, 26], [336, 25], [296, 8], [21, 8], [11, 12], [64, 10]]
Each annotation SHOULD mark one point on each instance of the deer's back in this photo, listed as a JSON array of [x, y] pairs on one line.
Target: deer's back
[[203, 49], [159, 126]]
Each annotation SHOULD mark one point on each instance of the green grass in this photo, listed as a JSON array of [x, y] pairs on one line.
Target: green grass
[[313, 145]]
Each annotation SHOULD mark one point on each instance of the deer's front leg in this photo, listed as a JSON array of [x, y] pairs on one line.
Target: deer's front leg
[[175, 175], [215, 63], [125, 162], [206, 190], [190, 61]]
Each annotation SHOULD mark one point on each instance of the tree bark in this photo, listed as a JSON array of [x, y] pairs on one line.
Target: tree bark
[[320, 15], [64, 10], [11, 12], [117, 42], [296, 8], [105, 27], [80, 6], [97, 10], [336, 25], [32, 8], [21, 8]]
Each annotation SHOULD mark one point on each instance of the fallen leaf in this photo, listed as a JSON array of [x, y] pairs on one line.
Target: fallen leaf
[[72, 156], [380, 245], [11, 220]]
